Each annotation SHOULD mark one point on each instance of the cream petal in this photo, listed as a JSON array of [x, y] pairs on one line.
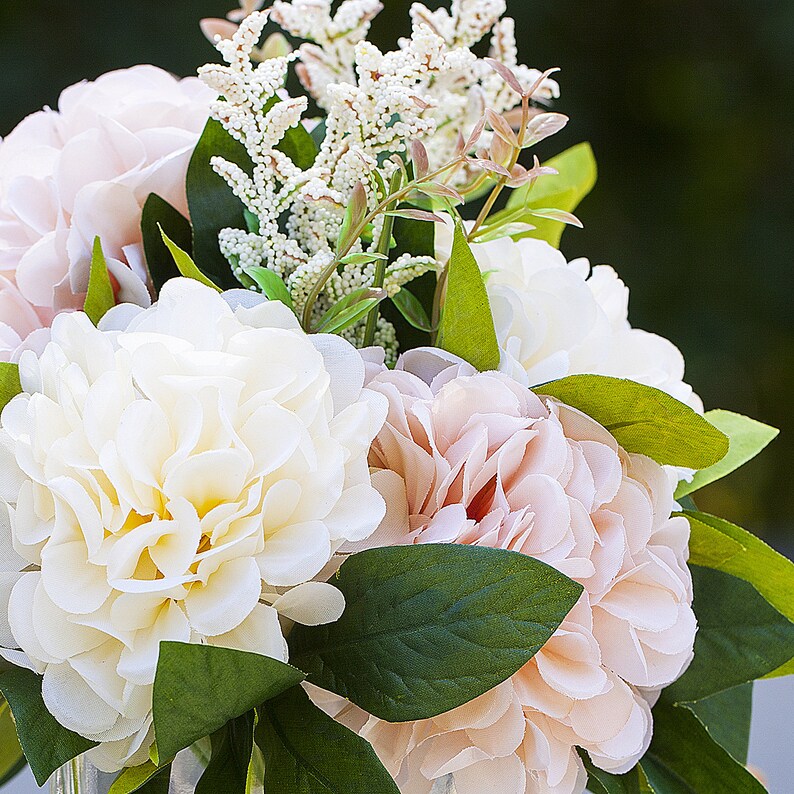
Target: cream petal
[[226, 600], [311, 604], [259, 633], [295, 554]]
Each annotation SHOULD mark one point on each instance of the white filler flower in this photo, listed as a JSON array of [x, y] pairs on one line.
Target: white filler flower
[[182, 473], [556, 318]]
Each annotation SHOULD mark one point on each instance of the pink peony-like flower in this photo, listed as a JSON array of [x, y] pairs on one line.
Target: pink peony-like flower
[[84, 170], [480, 459]]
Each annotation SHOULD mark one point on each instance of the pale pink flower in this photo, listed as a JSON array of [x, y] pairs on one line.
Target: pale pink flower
[[83, 171], [479, 459]]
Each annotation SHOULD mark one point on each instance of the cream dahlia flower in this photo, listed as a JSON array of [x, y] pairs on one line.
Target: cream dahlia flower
[[556, 318], [480, 459], [181, 473], [84, 170]]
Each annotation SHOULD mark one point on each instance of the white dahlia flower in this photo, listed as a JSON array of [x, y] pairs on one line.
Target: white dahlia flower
[[181, 473], [84, 170], [556, 318], [479, 459]]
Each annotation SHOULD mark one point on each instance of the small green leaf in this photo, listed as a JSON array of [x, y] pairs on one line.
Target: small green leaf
[[412, 310], [564, 191], [146, 779], [643, 419], [100, 298], [158, 213], [212, 204], [227, 770], [271, 284], [9, 383], [348, 311], [467, 326], [684, 759], [47, 744], [430, 627], [12, 759], [307, 752], [601, 782], [354, 216], [185, 264], [747, 439], [199, 688], [716, 543], [362, 258], [727, 717], [740, 637]]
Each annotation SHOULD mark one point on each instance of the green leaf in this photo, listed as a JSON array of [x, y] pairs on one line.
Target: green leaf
[[348, 311], [147, 779], [307, 752], [716, 543], [467, 326], [231, 756], [185, 264], [199, 688], [100, 298], [410, 307], [643, 419], [12, 759], [428, 628], [212, 204], [299, 145], [684, 759], [157, 214], [740, 637], [601, 782], [47, 744], [271, 284], [727, 717], [9, 383], [564, 191], [747, 439]]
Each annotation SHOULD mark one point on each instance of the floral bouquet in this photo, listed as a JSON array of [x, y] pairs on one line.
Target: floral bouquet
[[323, 471]]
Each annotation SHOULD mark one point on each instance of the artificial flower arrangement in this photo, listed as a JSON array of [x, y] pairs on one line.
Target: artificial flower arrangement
[[322, 467]]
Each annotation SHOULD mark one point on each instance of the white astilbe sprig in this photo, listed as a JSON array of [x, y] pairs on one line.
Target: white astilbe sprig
[[296, 214], [456, 97], [329, 54]]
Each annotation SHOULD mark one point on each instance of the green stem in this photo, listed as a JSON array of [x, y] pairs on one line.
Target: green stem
[[500, 185], [322, 280], [384, 246]]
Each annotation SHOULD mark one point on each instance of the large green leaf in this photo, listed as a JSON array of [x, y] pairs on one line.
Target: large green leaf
[[12, 759], [199, 688], [9, 383], [212, 204], [727, 717], [563, 191], [159, 214], [684, 759], [747, 439], [227, 770], [100, 298], [643, 419], [716, 543], [47, 744], [306, 752], [740, 637], [430, 627], [467, 326]]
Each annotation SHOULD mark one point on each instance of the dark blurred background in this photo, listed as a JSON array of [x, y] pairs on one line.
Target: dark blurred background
[[690, 110]]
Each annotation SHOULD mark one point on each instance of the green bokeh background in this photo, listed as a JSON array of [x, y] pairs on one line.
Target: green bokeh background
[[689, 108]]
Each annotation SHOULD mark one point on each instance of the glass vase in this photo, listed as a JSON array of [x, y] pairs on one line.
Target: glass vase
[[80, 776]]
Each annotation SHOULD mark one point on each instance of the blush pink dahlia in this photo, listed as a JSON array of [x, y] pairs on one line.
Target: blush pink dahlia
[[480, 459], [84, 170]]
